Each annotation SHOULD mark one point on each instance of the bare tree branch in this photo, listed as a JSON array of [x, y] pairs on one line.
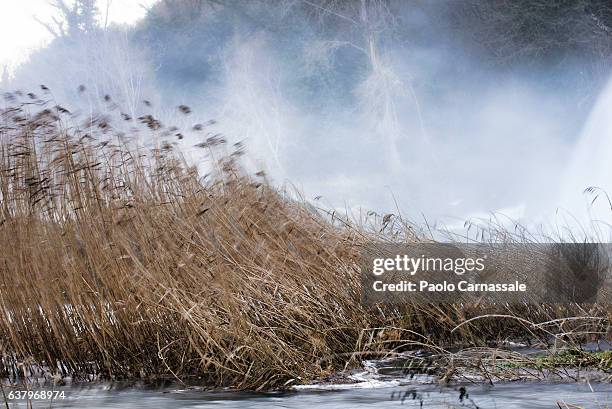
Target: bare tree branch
[[50, 29]]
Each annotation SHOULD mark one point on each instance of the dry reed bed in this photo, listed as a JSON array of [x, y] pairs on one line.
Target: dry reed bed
[[125, 262]]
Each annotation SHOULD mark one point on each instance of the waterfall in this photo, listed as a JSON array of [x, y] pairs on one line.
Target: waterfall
[[590, 165]]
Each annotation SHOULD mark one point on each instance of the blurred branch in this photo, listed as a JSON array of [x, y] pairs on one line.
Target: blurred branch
[[108, 4], [59, 32], [330, 11]]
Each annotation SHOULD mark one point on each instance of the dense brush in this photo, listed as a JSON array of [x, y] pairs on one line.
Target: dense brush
[[125, 262]]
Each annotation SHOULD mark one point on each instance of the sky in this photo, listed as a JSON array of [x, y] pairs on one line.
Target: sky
[[20, 33]]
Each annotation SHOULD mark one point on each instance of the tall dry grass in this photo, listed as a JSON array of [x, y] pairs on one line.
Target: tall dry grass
[[125, 262]]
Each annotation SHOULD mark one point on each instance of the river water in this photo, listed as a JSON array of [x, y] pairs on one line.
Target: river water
[[517, 395], [380, 383]]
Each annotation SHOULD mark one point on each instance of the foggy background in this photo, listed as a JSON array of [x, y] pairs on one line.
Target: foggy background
[[443, 111]]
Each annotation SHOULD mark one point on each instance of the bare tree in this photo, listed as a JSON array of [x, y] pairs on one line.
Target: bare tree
[[74, 19], [383, 87], [538, 32], [4, 82]]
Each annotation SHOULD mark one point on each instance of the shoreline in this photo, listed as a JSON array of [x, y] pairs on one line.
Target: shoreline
[[409, 368]]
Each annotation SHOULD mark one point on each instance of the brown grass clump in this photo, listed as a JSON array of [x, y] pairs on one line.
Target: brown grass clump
[[124, 262]]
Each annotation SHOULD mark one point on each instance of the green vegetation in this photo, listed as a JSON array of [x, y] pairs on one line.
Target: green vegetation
[[575, 358]]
